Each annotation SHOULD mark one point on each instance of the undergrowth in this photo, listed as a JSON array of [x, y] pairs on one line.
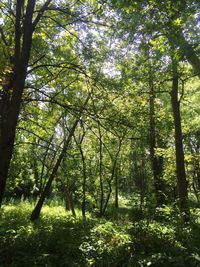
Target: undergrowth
[[121, 239]]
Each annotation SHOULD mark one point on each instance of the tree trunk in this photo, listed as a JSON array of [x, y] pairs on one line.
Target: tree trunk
[[100, 171], [12, 93], [79, 144], [69, 202], [116, 189], [43, 161], [103, 199], [156, 161], [107, 198], [196, 192], [115, 172], [36, 212], [182, 183], [83, 206], [36, 177], [115, 177]]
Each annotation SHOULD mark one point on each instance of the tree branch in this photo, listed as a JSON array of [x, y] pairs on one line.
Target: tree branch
[[40, 13]]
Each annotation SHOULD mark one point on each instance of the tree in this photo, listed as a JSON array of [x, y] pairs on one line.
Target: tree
[[36, 212], [156, 160], [180, 162], [37, 58], [12, 91], [166, 27]]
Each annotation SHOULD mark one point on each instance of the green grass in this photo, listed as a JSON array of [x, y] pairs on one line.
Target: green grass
[[121, 239]]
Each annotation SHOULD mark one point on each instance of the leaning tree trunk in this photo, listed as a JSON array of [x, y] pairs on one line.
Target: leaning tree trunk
[[84, 169], [182, 183], [36, 211], [115, 177]]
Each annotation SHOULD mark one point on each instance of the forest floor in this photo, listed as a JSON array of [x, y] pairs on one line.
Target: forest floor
[[125, 237]]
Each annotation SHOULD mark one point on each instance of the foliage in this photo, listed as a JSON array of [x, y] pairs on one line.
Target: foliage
[[58, 239], [120, 174]]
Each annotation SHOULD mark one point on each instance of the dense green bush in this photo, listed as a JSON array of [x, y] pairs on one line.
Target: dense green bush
[[107, 245]]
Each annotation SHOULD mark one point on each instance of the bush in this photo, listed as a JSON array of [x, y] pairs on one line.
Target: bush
[[107, 245]]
